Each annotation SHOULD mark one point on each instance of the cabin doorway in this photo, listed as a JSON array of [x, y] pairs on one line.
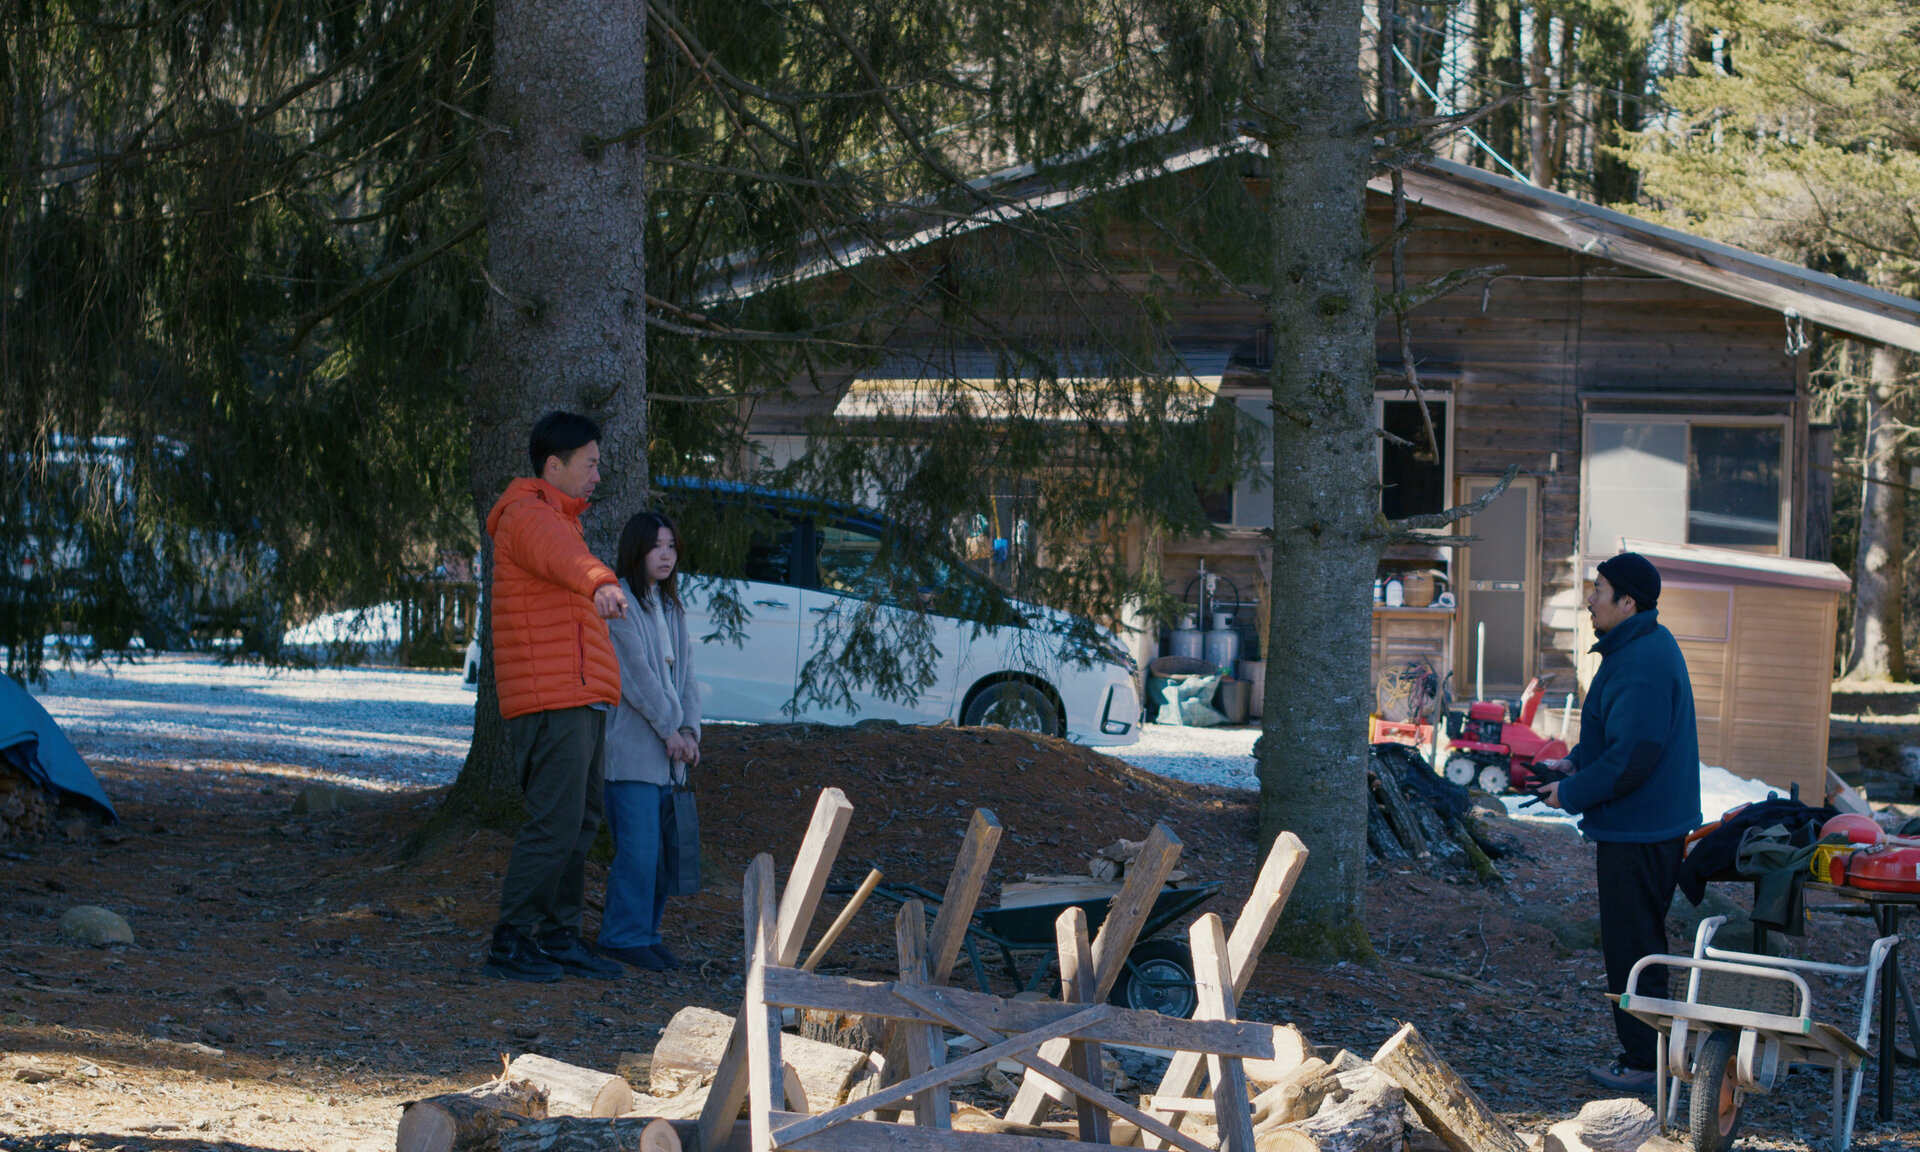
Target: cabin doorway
[[1497, 583]]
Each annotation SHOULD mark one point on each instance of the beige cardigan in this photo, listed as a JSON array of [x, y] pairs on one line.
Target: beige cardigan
[[658, 697]]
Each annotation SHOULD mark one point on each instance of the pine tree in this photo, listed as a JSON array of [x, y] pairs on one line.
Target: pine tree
[[1800, 135]]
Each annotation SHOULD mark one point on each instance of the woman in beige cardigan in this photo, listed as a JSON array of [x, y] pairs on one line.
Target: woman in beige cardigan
[[653, 738]]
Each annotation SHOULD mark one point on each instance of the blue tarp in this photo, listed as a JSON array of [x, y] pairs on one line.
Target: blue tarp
[[33, 743]]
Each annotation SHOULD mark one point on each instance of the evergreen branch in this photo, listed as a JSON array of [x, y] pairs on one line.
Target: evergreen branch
[[696, 324], [744, 173], [1406, 524], [304, 326], [1199, 257], [271, 109]]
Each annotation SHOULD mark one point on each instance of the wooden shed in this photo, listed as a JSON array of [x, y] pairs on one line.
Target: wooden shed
[[1758, 635]]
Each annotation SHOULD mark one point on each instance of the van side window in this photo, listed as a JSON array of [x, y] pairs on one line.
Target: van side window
[[770, 556], [843, 558]]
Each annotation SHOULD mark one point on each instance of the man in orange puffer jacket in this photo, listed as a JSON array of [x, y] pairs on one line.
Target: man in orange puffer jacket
[[557, 676]]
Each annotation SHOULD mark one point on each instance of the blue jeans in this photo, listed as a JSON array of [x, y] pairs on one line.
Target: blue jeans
[[637, 882]]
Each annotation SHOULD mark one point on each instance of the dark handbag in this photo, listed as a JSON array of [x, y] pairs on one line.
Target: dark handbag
[[680, 837]]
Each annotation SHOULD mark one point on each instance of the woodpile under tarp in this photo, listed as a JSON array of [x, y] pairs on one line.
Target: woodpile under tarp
[[742, 1083]]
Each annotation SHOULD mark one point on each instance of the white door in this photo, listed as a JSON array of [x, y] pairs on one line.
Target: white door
[[751, 680]]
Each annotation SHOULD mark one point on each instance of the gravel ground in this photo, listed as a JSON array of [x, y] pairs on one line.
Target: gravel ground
[[379, 727], [1219, 756]]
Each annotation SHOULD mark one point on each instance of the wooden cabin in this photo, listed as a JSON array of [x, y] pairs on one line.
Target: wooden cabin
[[1648, 383]]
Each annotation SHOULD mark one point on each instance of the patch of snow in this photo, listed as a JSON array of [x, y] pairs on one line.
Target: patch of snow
[[1721, 790], [379, 725], [376, 628]]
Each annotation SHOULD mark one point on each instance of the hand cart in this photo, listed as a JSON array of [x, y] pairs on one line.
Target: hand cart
[[1747, 1018], [1159, 973]]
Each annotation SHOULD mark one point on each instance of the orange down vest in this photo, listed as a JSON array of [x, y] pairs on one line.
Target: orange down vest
[[550, 648]]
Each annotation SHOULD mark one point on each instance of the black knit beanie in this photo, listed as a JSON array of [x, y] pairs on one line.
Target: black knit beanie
[[1635, 575]]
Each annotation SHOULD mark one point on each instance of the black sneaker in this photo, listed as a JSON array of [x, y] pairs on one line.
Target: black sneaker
[[514, 956], [1618, 1077], [642, 956], [565, 949], [667, 958]]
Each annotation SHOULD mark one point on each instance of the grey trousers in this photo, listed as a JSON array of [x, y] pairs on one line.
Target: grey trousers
[[562, 757]]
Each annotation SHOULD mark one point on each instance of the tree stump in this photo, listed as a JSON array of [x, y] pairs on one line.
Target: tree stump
[[473, 1119], [571, 1090]]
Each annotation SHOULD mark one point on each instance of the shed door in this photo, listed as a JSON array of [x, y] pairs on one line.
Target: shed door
[[1496, 586]]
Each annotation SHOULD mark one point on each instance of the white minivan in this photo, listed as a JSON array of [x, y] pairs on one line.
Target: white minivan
[[804, 587]]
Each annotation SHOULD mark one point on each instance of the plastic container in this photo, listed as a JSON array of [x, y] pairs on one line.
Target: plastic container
[[1254, 672], [1233, 698], [1396, 592]]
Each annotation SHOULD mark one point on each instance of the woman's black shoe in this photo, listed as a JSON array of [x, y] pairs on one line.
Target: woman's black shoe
[[565, 950], [516, 957], [639, 957]]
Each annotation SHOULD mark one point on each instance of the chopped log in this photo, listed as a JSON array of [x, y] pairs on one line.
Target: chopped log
[[1380, 835], [1296, 1097], [1400, 815], [1446, 1105], [572, 1090], [695, 1038], [659, 1136], [1369, 1120], [686, 1106], [1290, 1050], [471, 1119], [1605, 1126], [689, 1050]]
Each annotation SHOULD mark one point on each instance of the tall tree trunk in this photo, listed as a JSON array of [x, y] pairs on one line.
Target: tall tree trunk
[[566, 317], [1879, 651], [1541, 105], [1312, 752]]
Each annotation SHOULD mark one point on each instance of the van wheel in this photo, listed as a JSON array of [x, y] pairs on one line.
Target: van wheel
[[1013, 704]]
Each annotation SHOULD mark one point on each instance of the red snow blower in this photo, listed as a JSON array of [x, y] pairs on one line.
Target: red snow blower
[[1487, 750]]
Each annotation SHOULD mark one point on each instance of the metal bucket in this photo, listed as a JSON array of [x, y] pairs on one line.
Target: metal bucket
[[1232, 700]]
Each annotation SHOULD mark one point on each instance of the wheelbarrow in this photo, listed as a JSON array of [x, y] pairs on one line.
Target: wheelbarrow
[[1746, 1019], [1158, 976]]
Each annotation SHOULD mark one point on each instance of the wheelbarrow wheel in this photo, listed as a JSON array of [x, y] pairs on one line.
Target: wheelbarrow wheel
[[1713, 1109], [1158, 978]]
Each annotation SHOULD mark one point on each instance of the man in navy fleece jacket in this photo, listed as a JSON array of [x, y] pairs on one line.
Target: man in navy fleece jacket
[[1635, 785]]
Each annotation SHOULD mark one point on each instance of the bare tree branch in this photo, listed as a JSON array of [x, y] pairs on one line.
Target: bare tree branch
[[1405, 525]]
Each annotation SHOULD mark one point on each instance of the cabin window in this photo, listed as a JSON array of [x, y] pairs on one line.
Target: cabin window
[[1714, 481], [1413, 479]]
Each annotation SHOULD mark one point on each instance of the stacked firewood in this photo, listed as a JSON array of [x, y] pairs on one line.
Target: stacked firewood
[[1418, 814], [26, 811]]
